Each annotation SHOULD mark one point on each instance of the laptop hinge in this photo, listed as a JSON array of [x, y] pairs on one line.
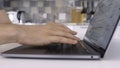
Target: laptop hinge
[[96, 48]]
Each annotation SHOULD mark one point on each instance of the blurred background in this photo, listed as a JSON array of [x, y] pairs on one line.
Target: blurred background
[[43, 11]]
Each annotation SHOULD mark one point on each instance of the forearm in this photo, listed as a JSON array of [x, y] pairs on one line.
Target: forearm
[[8, 33], [7, 29]]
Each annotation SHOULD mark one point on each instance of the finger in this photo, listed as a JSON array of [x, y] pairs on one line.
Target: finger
[[64, 34], [58, 39]]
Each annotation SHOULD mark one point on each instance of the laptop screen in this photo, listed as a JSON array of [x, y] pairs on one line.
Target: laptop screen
[[103, 23]]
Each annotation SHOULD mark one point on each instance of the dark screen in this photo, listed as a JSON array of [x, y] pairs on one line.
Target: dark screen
[[103, 23]]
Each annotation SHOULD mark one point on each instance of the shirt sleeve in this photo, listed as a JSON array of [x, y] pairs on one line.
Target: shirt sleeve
[[1, 4]]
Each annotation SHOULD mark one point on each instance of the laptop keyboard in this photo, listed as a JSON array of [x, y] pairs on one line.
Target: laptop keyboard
[[67, 48]]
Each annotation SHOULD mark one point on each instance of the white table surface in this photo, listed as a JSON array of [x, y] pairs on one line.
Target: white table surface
[[110, 60]]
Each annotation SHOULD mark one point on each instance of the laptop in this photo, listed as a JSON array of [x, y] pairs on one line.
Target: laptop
[[93, 46]]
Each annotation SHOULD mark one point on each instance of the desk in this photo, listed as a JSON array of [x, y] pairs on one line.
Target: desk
[[110, 60]]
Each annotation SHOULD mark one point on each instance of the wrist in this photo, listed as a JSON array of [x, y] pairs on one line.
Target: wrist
[[19, 33], [23, 32], [14, 33]]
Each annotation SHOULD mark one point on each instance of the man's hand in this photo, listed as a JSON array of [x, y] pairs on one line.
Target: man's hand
[[45, 34]]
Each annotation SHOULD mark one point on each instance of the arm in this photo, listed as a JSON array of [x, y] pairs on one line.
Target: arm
[[8, 33], [34, 34]]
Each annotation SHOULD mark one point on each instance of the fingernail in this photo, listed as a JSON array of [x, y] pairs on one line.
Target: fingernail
[[74, 42], [74, 32], [78, 39]]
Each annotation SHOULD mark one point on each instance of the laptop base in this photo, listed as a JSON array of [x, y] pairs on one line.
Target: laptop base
[[53, 51]]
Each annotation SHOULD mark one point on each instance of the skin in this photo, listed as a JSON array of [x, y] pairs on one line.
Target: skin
[[35, 35]]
